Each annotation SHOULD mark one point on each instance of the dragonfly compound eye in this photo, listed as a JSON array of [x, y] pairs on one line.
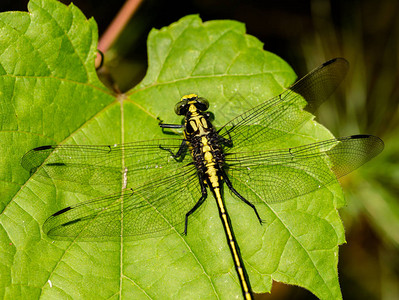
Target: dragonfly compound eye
[[181, 108], [202, 104]]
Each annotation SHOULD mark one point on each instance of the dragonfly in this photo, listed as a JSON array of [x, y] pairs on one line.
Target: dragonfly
[[144, 189]]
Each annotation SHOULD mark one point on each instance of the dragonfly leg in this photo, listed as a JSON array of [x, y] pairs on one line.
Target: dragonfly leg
[[198, 204], [179, 155], [170, 126], [226, 142], [173, 126], [230, 186]]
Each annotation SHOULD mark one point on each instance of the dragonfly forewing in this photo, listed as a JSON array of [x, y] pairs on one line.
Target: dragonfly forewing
[[280, 115], [99, 170]]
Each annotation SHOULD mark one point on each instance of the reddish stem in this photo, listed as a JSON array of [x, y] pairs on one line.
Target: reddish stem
[[117, 25]]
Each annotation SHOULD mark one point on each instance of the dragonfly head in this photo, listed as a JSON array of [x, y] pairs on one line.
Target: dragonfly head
[[182, 107]]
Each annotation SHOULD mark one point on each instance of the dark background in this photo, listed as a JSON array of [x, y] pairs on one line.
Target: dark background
[[305, 34]]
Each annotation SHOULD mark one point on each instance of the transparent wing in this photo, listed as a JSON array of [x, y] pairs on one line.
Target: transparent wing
[[283, 113], [96, 170], [152, 209], [279, 175]]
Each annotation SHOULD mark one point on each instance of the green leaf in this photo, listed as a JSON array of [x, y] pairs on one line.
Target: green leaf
[[50, 94]]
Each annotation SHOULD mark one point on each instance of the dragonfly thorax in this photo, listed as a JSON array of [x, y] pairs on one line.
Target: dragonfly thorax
[[200, 135]]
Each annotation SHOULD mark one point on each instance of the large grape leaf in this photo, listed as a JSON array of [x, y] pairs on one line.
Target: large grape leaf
[[50, 94]]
